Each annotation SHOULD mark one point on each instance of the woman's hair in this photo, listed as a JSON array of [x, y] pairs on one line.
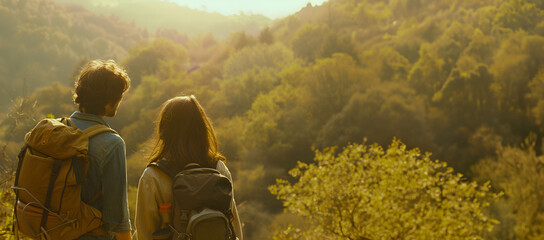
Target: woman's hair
[[184, 134], [100, 83]]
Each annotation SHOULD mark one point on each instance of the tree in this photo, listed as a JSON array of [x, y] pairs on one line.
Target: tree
[[329, 85], [481, 47], [372, 13], [366, 192], [519, 172], [172, 34], [427, 75], [337, 43], [518, 14], [537, 96], [266, 36], [240, 40], [266, 56], [516, 64], [384, 111], [242, 90], [55, 99], [467, 96], [389, 64], [20, 118], [451, 43], [308, 41], [148, 57]]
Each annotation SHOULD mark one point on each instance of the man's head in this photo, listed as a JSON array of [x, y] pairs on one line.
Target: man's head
[[100, 86]]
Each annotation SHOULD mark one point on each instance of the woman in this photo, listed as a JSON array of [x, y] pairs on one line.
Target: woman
[[184, 135]]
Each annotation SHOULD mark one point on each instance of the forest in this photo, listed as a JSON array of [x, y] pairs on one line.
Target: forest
[[354, 119], [169, 15]]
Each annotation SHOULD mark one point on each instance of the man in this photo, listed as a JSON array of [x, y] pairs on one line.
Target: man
[[98, 92]]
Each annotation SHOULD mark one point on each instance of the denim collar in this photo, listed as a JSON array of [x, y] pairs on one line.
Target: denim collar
[[89, 117]]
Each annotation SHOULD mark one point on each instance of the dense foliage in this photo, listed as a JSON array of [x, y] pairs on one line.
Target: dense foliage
[[41, 42], [366, 192], [462, 79], [519, 172]]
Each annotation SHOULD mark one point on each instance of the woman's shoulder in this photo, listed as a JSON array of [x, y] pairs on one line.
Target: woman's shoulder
[[153, 173], [223, 169]]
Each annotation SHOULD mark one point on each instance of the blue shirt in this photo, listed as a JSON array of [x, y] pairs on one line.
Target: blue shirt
[[107, 173]]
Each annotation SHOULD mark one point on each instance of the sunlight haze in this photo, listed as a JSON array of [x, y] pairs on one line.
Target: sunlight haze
[[332, 119], [272, 9]]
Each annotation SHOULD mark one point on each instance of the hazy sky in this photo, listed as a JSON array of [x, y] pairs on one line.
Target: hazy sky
[[269, 8]]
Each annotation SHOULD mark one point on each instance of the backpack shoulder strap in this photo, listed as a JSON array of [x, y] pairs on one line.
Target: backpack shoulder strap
[[90, 132], [191, 166], [97, 129], [160, 165]]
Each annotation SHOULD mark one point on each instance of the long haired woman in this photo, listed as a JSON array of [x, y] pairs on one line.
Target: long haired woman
[[184, 135]]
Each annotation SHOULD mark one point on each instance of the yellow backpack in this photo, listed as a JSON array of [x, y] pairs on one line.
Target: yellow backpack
[[48, 192]]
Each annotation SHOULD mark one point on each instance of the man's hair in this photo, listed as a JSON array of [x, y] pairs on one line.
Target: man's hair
[[100, 83]]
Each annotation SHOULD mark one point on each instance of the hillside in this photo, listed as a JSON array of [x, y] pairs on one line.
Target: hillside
[[155, 14], [462, 80], [42, 42]]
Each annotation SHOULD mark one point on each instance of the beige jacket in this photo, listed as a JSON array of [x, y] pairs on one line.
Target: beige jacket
[[154, 189]]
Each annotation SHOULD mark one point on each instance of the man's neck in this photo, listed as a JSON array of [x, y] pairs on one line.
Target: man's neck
[[84, 111]]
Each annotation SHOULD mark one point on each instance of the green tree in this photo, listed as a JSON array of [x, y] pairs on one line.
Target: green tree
[[20, 118], [329, 84], [464, 104], [516, 63], [308, 41], [519, 172], [536, 94], [275, 130], [248, 73], [427, 75], [481, 47], [389, 64], [55, 99], [467, 96], [148, 57], [266, 36], [242, 90], [519, 14], [384, 111], [204, 47], [371, 13], [240, 40], [273, 56], [337, 43], [452, 42], [366, 192]]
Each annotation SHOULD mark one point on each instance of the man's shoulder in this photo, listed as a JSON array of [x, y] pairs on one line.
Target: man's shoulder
[[112, 137], [108, 140]]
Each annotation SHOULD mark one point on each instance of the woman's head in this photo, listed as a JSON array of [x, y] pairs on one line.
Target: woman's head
[[185, 134]]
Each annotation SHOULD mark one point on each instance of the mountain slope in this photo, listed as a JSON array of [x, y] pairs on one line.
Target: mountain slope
[[42, 42], [154, 14]]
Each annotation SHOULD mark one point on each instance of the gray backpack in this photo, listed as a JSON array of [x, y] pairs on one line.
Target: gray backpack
[[202, 199]]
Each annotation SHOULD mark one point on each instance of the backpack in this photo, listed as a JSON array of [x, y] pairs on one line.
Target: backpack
[[202, 199], [47, 188]]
